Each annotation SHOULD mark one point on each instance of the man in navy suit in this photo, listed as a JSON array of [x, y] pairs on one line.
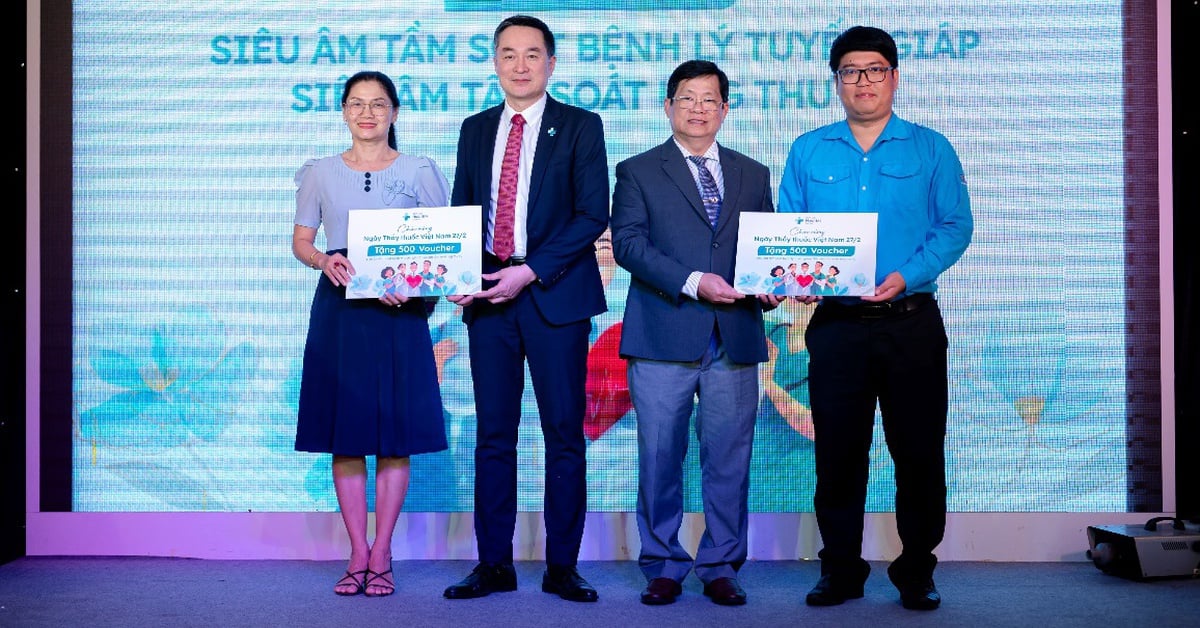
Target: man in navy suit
[[542, 289], [688, 332]]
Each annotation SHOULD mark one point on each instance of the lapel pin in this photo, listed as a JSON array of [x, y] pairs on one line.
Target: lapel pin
[[552, 131]]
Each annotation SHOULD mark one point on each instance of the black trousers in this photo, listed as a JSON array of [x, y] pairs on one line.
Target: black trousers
[[502, 338], [861, 356]]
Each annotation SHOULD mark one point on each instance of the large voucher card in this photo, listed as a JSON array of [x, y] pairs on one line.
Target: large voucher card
[[415, 252], [817, 254]]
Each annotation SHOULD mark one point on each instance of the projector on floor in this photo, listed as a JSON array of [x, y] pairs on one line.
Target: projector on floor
[[1141, 552]]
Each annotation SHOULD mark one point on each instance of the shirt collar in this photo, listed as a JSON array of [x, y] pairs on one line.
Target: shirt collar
[[712, 153], [532, 114], [896, 128]]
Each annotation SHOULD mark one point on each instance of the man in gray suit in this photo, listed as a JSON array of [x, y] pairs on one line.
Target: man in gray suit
[[688, 332]]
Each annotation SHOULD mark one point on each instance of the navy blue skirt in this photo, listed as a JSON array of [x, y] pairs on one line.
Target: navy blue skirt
[[369, 386]]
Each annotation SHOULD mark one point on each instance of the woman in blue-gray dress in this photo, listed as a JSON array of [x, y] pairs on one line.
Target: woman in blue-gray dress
[[369, 386]]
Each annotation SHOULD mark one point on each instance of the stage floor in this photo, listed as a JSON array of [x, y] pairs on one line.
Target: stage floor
[[128, 591]]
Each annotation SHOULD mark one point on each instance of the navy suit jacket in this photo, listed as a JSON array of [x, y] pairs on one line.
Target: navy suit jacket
[[568, 205], [661, 234]]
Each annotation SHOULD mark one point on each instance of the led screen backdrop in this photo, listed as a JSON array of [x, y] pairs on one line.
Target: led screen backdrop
[[188, 312]]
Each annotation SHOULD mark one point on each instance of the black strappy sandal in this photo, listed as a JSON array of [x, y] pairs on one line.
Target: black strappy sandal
[[352, 577], [370, 581]]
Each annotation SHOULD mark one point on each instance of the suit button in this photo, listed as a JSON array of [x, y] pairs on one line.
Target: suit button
[[716, 245]]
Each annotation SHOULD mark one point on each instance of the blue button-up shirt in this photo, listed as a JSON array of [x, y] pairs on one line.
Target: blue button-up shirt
[[911, 177]]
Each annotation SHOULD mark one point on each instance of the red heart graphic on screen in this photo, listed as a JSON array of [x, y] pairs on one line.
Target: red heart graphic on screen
[[607, 386], [804, 280]]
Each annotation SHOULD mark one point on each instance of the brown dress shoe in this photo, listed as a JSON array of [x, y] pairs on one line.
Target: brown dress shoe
[[661, 591], [725, 591]]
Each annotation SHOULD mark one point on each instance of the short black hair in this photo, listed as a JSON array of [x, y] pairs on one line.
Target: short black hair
[[696, 68], [525, 20], [863, 38]]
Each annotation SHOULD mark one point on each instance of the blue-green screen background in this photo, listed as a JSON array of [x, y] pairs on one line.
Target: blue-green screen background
[[190, 120]]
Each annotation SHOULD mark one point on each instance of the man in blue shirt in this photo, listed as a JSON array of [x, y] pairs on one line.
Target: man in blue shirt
[[890, 348]]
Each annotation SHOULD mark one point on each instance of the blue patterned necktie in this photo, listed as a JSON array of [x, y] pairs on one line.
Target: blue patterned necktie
[[710, 195]]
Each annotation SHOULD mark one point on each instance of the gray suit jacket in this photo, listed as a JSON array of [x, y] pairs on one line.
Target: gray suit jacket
[[661, 235]]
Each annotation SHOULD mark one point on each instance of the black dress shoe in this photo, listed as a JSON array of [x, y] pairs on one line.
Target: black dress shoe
[[922, 596], [485, 579], [831, 591], [661, 591], [725, 591], [565, 582], [917, 592]]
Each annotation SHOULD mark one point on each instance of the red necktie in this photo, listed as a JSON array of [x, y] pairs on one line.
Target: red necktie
[[506, 195]]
